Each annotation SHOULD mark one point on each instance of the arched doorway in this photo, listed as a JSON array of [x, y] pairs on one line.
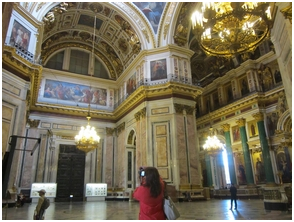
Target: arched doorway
[[131, 160]]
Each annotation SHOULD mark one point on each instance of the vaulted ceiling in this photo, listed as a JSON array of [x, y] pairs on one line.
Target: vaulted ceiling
[[122, 32]]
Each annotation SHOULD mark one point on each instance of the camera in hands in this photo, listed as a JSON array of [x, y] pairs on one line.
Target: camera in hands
[[141, 172]]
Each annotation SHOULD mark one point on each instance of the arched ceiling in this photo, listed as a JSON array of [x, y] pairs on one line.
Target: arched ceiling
[[122, 32]]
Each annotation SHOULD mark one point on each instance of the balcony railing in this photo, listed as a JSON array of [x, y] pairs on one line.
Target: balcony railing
[[21, 51]]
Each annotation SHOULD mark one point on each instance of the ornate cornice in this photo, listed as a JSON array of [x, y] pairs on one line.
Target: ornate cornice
[[241, 122], [226, 127]]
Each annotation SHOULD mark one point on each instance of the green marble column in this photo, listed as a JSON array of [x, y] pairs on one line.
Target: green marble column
[[248, 168], [226, 128], [208, 170], [269, 175]]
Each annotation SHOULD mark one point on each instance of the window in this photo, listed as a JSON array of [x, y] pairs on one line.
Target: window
[[56, 61], [99, 70], [79, 62]]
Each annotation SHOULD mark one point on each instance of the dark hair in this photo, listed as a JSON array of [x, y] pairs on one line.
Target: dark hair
[[152, 180]]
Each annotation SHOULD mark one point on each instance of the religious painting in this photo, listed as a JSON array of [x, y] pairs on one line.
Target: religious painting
[[284, 164], [258, 167], [20, 35], [236, 133], [158, 69], [252, 128], [240, 168], [131, 84], [75, 93], [152, 11]]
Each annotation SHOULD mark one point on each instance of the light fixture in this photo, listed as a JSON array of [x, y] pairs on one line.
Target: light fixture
[[87, 139], [212, 144], [229, 28]]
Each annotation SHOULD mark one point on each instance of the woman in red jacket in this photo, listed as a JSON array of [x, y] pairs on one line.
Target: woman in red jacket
[[150, 195]]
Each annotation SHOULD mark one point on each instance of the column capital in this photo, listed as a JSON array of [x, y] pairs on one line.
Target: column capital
[[258, 116], [226, 127], [241, 122]]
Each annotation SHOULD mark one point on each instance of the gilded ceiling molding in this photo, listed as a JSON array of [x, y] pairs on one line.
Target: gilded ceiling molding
[[47, 51], [168, 16], [241, 122], [226, 127], [33, 123], [109, 131], [258, 116], [121, 127]]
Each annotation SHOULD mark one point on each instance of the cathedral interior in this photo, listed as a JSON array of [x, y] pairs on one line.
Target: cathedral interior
[[154, 94]]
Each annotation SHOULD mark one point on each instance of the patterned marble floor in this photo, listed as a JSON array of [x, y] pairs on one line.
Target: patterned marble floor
[[124, 210]]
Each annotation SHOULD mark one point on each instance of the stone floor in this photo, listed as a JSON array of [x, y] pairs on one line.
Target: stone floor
[[128, 210]]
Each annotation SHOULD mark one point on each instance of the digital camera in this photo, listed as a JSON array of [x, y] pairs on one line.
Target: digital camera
[[141, 172]]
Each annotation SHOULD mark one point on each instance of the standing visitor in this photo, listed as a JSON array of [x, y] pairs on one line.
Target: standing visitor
[[233, 191], [39, 211], [150, 195]]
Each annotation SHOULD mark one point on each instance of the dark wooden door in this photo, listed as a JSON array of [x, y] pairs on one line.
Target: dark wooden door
[[70, 174]]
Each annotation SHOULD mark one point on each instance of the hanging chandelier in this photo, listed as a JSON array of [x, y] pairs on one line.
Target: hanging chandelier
[[212, 145], [87, 139], [229, 28]]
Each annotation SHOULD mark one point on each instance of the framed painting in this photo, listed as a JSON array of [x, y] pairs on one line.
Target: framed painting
[[74, 93], [158, 69], [131, 84], [252, 128], [20, 35]]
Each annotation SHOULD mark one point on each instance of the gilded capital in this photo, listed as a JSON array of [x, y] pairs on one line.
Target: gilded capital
[[33, 123], [121, 127], [241, 122], [109, 131], [189, 110], [179, 108], [258, 116], [226, 127]]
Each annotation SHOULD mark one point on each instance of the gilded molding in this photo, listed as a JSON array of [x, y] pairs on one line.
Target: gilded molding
[[33, 123], [258, 116], [241, 122], [226, 127], [137, 116], [287, 12], [109, 131], [121, 127]]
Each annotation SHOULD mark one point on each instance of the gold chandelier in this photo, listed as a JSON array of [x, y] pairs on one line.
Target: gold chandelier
[[212, 144], [87, 139], [229, 28]]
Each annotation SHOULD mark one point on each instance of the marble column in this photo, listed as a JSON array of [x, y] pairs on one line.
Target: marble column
[[248, 168], [269, 175], [208, 170], [226, 128]]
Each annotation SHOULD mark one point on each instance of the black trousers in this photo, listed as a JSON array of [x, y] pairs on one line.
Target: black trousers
[[234, 199]]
